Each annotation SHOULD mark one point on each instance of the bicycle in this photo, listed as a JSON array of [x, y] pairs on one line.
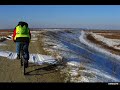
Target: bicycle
[[24, 63]]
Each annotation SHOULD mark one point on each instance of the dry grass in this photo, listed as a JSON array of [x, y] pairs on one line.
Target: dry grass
[[111, 49], [104, 31], [5, 32], [112, 36]]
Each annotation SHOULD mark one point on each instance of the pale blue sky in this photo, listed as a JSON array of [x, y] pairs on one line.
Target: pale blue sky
[[61, 16]]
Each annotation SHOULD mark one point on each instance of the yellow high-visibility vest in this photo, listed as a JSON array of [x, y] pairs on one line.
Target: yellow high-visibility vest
[[22, 32]]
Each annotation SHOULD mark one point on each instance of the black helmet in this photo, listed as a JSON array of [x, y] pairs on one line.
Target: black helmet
[[23, 23]]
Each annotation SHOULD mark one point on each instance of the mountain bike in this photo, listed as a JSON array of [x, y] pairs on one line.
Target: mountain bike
[[24, 63]]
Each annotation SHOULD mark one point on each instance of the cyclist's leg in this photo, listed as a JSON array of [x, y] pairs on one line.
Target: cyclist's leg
[[26, 52], [21, 53], [21, 47], [18, 49]]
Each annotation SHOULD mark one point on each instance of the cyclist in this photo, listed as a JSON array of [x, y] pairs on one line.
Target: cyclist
[[22, 36]]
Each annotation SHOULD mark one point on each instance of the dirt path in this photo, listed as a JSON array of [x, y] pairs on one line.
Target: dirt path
[[10, 70]]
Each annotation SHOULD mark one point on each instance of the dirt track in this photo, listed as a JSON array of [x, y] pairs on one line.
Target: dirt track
[[10, 70]]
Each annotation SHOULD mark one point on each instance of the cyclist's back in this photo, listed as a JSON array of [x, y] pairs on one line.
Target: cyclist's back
[[22, 36]]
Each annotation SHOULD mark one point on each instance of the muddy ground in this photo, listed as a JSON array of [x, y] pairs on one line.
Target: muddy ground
[[11, 71]]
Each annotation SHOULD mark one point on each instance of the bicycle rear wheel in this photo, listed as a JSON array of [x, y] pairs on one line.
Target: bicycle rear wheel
[[21, 55], [21, 62], [24, 63], [25, 66]]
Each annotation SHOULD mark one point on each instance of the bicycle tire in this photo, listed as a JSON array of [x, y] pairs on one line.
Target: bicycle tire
[[24, 63], [21, 62], [21, 58], [24, 66]]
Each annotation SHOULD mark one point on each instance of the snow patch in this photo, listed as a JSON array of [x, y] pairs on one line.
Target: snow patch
[[83, 40], [109, 42], [34, 58]]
